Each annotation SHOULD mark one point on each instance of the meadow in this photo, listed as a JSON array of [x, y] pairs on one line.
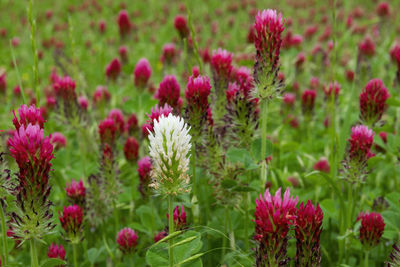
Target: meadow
[[199, 133]]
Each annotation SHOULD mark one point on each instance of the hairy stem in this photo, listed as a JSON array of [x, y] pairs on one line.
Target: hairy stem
[[34, 256], [4, 235], [171, 231], [264, 111]]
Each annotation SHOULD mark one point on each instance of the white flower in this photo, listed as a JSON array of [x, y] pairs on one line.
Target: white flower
[[169, 151]]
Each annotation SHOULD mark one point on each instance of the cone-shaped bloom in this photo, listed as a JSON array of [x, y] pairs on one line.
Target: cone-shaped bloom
[[273, 217], [156, 113], [332, 88], [28, 115], [372, 227], [196, 94], [123, 53], [108, 131], [367, 47], [118, 118], [76, 191], [308, 101], [64, 88], [180, 24], [127, 240], [33, 152], [373, 101], [131, 125], [308, 230], [169, 92], [101, 95], [221, 64], [58, 140], [361, 141], [3, 83], [269, 27], [124, 23], [179, 218], [383, 9], [169, 151], [56, 251], [168, 53], [83, 103], [131, 149], [322, 165], [113, 69], [72, 222], [144, 169], [142, 73]]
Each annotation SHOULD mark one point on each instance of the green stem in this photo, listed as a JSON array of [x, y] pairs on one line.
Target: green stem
[[32, 22], [231, 232], [171, 231], [246, 221], [116, 217], [264, 111], [4, 235], [34, 256], [224, 239], [366, 258], [75, 255]]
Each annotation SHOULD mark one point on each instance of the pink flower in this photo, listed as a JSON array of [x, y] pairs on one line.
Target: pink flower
[[169, 92], [58, 140], [383, 9], [328, 90], [273, 217], [221, 64], [383, 136], [83, 102], [308, 101], [28, 115], [197, 92], [180, 24], [101, 95], [367, 47], [127, 240], [108, 131], [159, 236], [124, 23], [300, 59], [244, 79], [131, 124], [361, 141], [289, 99], [102, 26], [142, 73], [131, 149], [76, 191], [123, 53], [72, 220], [113, 69], [118, 118], [308, 228], [64, 88], [373, 101], [56, 251], [144, 168], [168, 53], [322, 165], [372, 227], [179, 218], [156, 112], [3, 83]]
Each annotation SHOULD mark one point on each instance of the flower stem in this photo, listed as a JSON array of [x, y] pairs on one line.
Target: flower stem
[[264, 111], [366, 258], [4, 235], [246, 196], [34, 256], [75, 255], [171, 231]]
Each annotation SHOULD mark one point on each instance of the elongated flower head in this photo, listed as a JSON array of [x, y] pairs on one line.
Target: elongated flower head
[[244, 78], [58, 140], [28, 115], [124, 23], [142, 73], [361, 141], [180, 24], [3, 83], [169, 92], [308, 101], [395, 55], [64, 88], [221, 64], [131, 125], [197, 91], [373, 101], [72, 222], [83, 103], [155, 114], [335, 88], [168, 53], [131, 149], [101, 95], [127, 240], [308, 228], [76, 191], [118, 118], [273, 217], [56, 251], [123, 53], [169, 151], [108, 131], [383, 9], [144, 171], [322, 165], [113, 69], [289, 99], [372, 227], [367, 47], [179, 217]]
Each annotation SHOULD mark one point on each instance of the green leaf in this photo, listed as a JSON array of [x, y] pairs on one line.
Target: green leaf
[[149, 218], [256, 149], [228, 183], [52, 262]]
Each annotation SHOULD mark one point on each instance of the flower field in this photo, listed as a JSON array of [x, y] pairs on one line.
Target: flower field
[[199, 133]]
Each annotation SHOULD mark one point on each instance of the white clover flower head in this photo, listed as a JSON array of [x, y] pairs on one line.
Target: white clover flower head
[[169, 151]]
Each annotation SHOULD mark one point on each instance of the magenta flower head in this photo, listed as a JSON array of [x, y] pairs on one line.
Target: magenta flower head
[[28, 115], [131, 149], [72, 222], [113, 69], [373, 101], [131, 124], [67, 100], [169, 92], [179, 218], [56, 251], [76, 192], [221, 65], [127, 240], [144, 169], [3, 83], [159, 236], [102, 26], [372, 228], [124, 23], [367, 47], [322, 165], [180, 24], [308, 228], [332, 88], [273, 217], [383, 9], [156, 113], [108, 131], [123, 53], [289, 99], [83, 103], [308, 102], [244, 78], [142, 73], [101, 95], [33, 153], [168, 53], [58, 140], [268, 40], [361, 141], [118, 118]]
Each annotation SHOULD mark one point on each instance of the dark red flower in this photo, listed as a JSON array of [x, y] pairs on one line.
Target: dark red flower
[[180, 24], [56, 251], [76, 191], [72, 220], [197, 92], [361, 141], [373, 101], [179, 218], [127, 240], [156, 112], [142, 73], [372, 227], [367, 47], [108, 131], [113, 69], [124, 23], [322, 165], [169, 92], [28, 115], [131, 149], [308, 101]]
